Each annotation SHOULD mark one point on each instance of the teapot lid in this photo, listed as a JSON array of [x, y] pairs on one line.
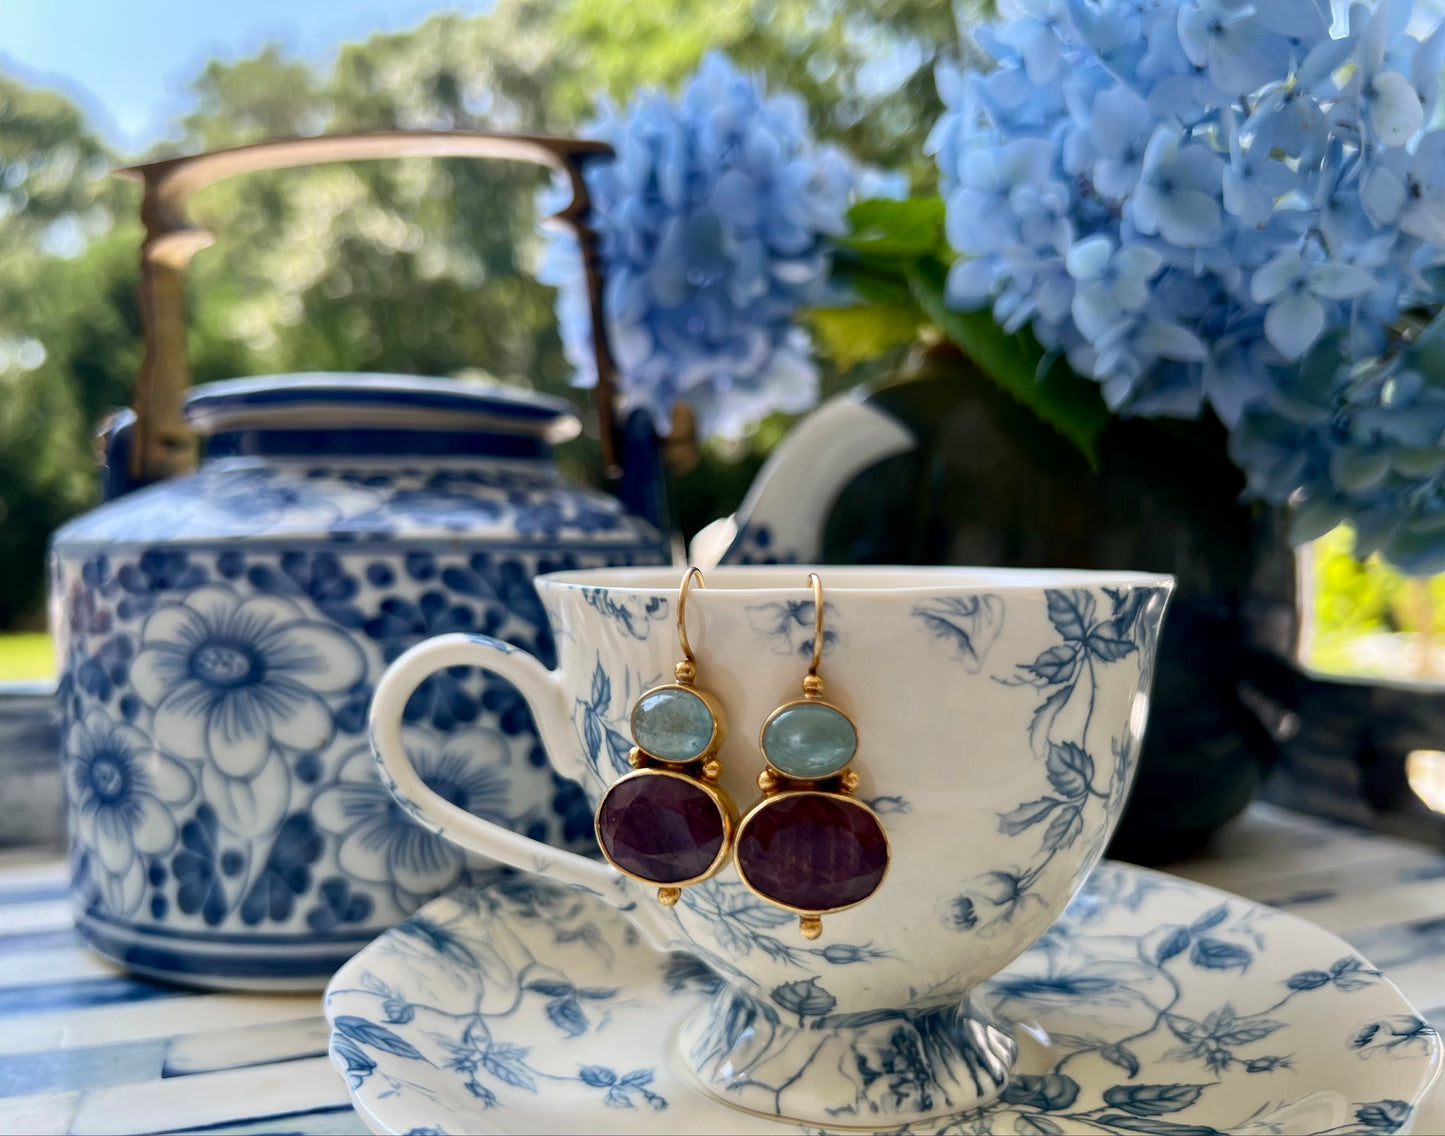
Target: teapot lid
[[340, 400]]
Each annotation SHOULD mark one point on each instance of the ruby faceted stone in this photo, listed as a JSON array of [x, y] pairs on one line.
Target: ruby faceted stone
[[813, 851], [660, 828]]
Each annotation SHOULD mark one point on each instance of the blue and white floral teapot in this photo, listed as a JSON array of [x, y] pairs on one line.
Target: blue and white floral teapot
[[220, 629]]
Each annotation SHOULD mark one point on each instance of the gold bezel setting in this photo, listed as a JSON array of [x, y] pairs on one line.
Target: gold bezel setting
[[807, 700], [719, 723], [725, 807], [789, 793]]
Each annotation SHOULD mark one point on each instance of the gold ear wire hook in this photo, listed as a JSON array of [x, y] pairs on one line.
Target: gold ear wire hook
[[817, 585], [682, 613]]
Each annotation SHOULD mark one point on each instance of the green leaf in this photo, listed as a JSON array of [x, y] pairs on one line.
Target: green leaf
[[1070, 404], [882, 226], [854, 334], [876, 279]]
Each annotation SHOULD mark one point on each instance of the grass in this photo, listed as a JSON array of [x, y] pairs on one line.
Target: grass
[[28, 655]]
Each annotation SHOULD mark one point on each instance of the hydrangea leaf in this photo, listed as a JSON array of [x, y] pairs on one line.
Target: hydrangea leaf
[[884, 227], [1071, 405], [854, 334]]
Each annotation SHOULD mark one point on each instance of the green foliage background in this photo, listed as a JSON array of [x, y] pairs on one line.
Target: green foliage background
[[413, 266], [1368, 618]]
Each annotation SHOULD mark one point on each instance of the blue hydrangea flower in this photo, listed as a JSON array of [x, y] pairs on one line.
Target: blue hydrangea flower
[[713, 222], [1178, 191], [1110, 283], [1296, 290], [1224, 204]]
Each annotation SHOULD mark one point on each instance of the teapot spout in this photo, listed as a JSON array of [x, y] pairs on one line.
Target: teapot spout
[[782, 518]]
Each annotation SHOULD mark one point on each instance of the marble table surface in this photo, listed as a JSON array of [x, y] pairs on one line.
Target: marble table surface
[[86, 1049]]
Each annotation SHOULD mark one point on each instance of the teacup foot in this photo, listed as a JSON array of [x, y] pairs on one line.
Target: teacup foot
[[877, 1069]]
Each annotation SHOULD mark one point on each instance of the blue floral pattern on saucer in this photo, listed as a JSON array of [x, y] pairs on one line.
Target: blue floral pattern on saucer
[[1153, 1006]]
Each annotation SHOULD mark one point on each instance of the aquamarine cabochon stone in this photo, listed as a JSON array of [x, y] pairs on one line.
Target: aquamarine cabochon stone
[[672, 723], [809, 740]]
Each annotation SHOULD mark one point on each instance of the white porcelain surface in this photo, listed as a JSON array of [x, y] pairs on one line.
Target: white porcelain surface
[[1154, 1005], [998, 714]]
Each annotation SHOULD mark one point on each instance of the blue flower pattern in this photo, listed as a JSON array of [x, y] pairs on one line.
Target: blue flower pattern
[[788, 627], [379, 845], [1091, 637], [758, 544], [1155, 1000], [235, 498], [293, 661], [963, 627], [121, 793], [228, 678], [197, 868], [256, 663], [633, 617], [505, 983]]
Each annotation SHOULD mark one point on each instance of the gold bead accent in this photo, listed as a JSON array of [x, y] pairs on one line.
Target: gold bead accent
[[636, 758], [812, 686], [849, 780], [711, 769], [767, 781], [668, 897], [686, 671], [811, 926]]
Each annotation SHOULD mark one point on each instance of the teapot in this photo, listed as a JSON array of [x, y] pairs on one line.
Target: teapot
[[221, 626]]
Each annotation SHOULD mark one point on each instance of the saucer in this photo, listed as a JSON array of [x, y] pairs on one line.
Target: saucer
[[1154, 1005]]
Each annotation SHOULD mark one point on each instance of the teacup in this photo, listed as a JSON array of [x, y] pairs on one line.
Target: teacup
[[998, 714]]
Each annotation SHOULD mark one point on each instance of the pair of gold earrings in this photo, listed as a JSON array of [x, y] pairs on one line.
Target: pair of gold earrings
[[807, 846]]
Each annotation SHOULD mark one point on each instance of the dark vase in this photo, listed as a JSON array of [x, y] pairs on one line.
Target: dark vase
[[991, 484]]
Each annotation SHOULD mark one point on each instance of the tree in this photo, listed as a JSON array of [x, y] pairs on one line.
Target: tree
[[67, 326], [416, 266]]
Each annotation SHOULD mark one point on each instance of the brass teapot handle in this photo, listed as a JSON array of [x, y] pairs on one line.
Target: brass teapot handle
[[162, 442]]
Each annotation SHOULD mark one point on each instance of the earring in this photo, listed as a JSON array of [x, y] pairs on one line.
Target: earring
[[669, 824], [808, 845]]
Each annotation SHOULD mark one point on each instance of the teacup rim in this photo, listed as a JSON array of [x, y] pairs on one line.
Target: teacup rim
[[965, 580]]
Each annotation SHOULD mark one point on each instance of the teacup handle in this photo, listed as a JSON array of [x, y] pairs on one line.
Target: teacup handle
[[542, 691]]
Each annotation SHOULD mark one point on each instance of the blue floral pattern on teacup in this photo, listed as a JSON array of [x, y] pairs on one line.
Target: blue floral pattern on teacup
[[634, 616], [789, 627], [379, 844], [963, 627], [1047, 684], [1076, 794]]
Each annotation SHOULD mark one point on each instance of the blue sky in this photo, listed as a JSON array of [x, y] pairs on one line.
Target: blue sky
[[128, 61]]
